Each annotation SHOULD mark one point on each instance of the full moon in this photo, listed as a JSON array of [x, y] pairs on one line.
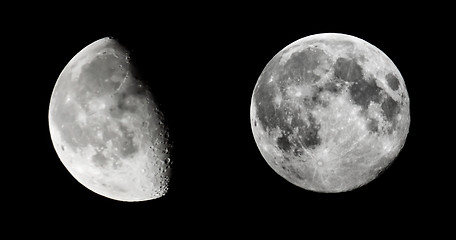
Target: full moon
[[330, 112], [106, 127]]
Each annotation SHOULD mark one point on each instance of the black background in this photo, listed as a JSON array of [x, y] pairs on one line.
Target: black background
[[203, 62]]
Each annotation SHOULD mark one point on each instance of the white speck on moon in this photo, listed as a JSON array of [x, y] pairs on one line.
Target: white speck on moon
[[106, 128]]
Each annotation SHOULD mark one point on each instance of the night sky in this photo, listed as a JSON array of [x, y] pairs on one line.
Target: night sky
[[203, 66]]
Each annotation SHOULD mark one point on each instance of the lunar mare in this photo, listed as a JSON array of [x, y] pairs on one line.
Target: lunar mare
[[106, 126], [330, 112]]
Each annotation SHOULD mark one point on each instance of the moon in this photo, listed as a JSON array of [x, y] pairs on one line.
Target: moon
[[330, 112], [107, 128]]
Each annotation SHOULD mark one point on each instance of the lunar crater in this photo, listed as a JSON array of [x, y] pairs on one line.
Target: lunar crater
[[326, 106]]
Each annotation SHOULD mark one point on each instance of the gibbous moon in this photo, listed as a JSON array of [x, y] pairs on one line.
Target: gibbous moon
[[330, 112], [106, 127]]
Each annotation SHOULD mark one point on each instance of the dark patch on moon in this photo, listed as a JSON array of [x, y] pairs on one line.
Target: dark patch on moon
[[391, 109], [100, 68], [372, 125], [300, 66], [309, 135], [136, 89], [264, 103], [125, 142], [127, 100], [393, 82], [332, 87], [287, 141], [123, 106], [348, 70], [121, 143], [93, 76], [272, 117], [283, 142], [363, 92], [99, 159]]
